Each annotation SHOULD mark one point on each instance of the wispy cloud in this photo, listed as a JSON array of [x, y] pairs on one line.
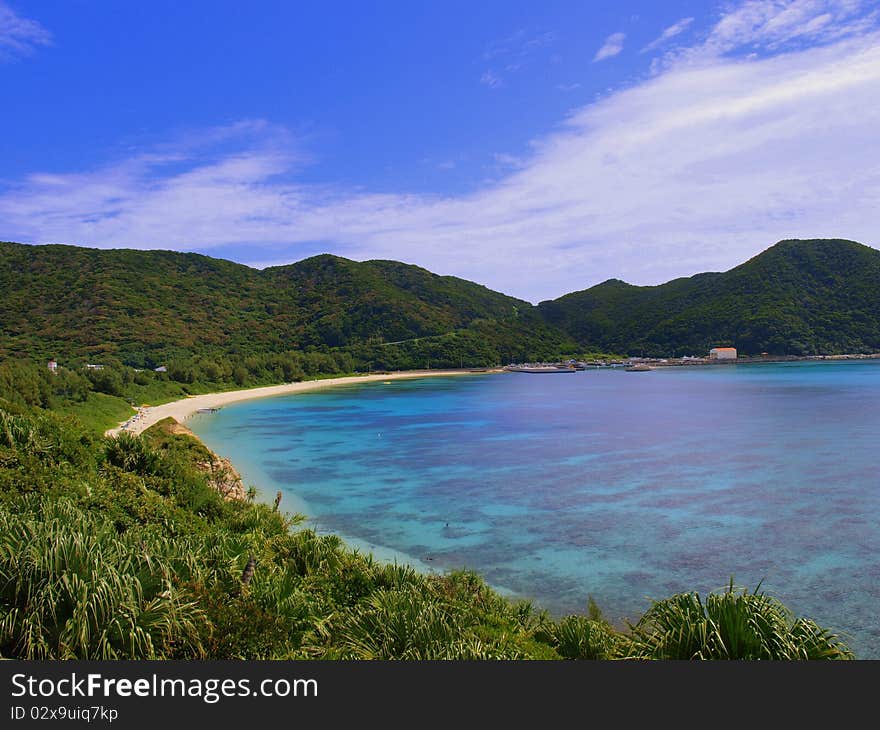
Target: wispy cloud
[[694, 169], [568, 87], [19, 36], [772, 26], [612, 46], [510, 162], [491, 80], [519, 44], [672, 31], [512, 54]]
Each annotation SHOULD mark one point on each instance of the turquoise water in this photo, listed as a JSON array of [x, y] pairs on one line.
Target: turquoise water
[[620, 486]]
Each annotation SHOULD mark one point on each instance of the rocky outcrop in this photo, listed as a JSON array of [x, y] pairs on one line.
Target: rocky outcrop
[[224, 478], [222, 475]]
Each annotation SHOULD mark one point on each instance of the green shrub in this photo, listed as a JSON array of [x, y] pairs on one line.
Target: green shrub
[[71, 587], [733, 624], [578, 637]]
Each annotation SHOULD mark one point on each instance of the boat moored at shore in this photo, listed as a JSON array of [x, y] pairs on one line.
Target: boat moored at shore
[[538, 369]]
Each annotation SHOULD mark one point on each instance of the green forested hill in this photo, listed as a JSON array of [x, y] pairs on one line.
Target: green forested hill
[[145, 307], [798, 297], [339, 301], [69, 301]]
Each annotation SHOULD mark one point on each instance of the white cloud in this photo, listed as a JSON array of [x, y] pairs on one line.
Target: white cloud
[[672, 31], [519, 44], [695, 169], [491, 80], [504, 160], [19, 36], [774, 25], [612, 46], [518, 49]]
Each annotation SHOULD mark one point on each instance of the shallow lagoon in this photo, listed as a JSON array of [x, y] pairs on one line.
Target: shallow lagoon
[[623, 486]]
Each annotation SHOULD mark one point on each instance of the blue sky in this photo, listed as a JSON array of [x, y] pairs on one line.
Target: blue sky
[[537, 148]]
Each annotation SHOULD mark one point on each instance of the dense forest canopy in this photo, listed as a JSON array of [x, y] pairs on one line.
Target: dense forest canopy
[[145, 308], [182, 310], [796, 298]]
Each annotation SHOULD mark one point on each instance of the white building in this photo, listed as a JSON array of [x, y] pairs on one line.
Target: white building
[[53, 366], [722, 353]]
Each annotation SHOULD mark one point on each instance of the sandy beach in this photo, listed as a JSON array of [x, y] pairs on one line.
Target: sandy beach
[[180, 410]]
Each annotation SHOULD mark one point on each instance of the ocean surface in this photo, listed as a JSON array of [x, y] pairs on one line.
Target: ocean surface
[[621, 486]]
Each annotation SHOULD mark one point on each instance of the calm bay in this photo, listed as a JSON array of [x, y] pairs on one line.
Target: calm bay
[[620, 486]]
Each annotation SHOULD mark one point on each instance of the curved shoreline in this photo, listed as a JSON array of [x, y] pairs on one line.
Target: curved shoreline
[[180, 410]]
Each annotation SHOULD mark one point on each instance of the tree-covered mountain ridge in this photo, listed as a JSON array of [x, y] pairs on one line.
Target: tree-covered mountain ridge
[[144, 307], [799, 297]]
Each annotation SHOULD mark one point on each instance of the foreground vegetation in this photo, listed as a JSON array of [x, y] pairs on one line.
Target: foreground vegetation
[[122, 549]]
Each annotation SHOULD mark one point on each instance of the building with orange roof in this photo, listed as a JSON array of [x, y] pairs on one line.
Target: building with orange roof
[[722, 353]]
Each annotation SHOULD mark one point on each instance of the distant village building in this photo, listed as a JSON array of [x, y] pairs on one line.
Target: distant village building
[[161, 369], [94, 367], [722, 353], [53, 366]]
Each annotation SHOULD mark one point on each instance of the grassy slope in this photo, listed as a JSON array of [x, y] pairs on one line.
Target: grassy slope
[[99, 411]]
